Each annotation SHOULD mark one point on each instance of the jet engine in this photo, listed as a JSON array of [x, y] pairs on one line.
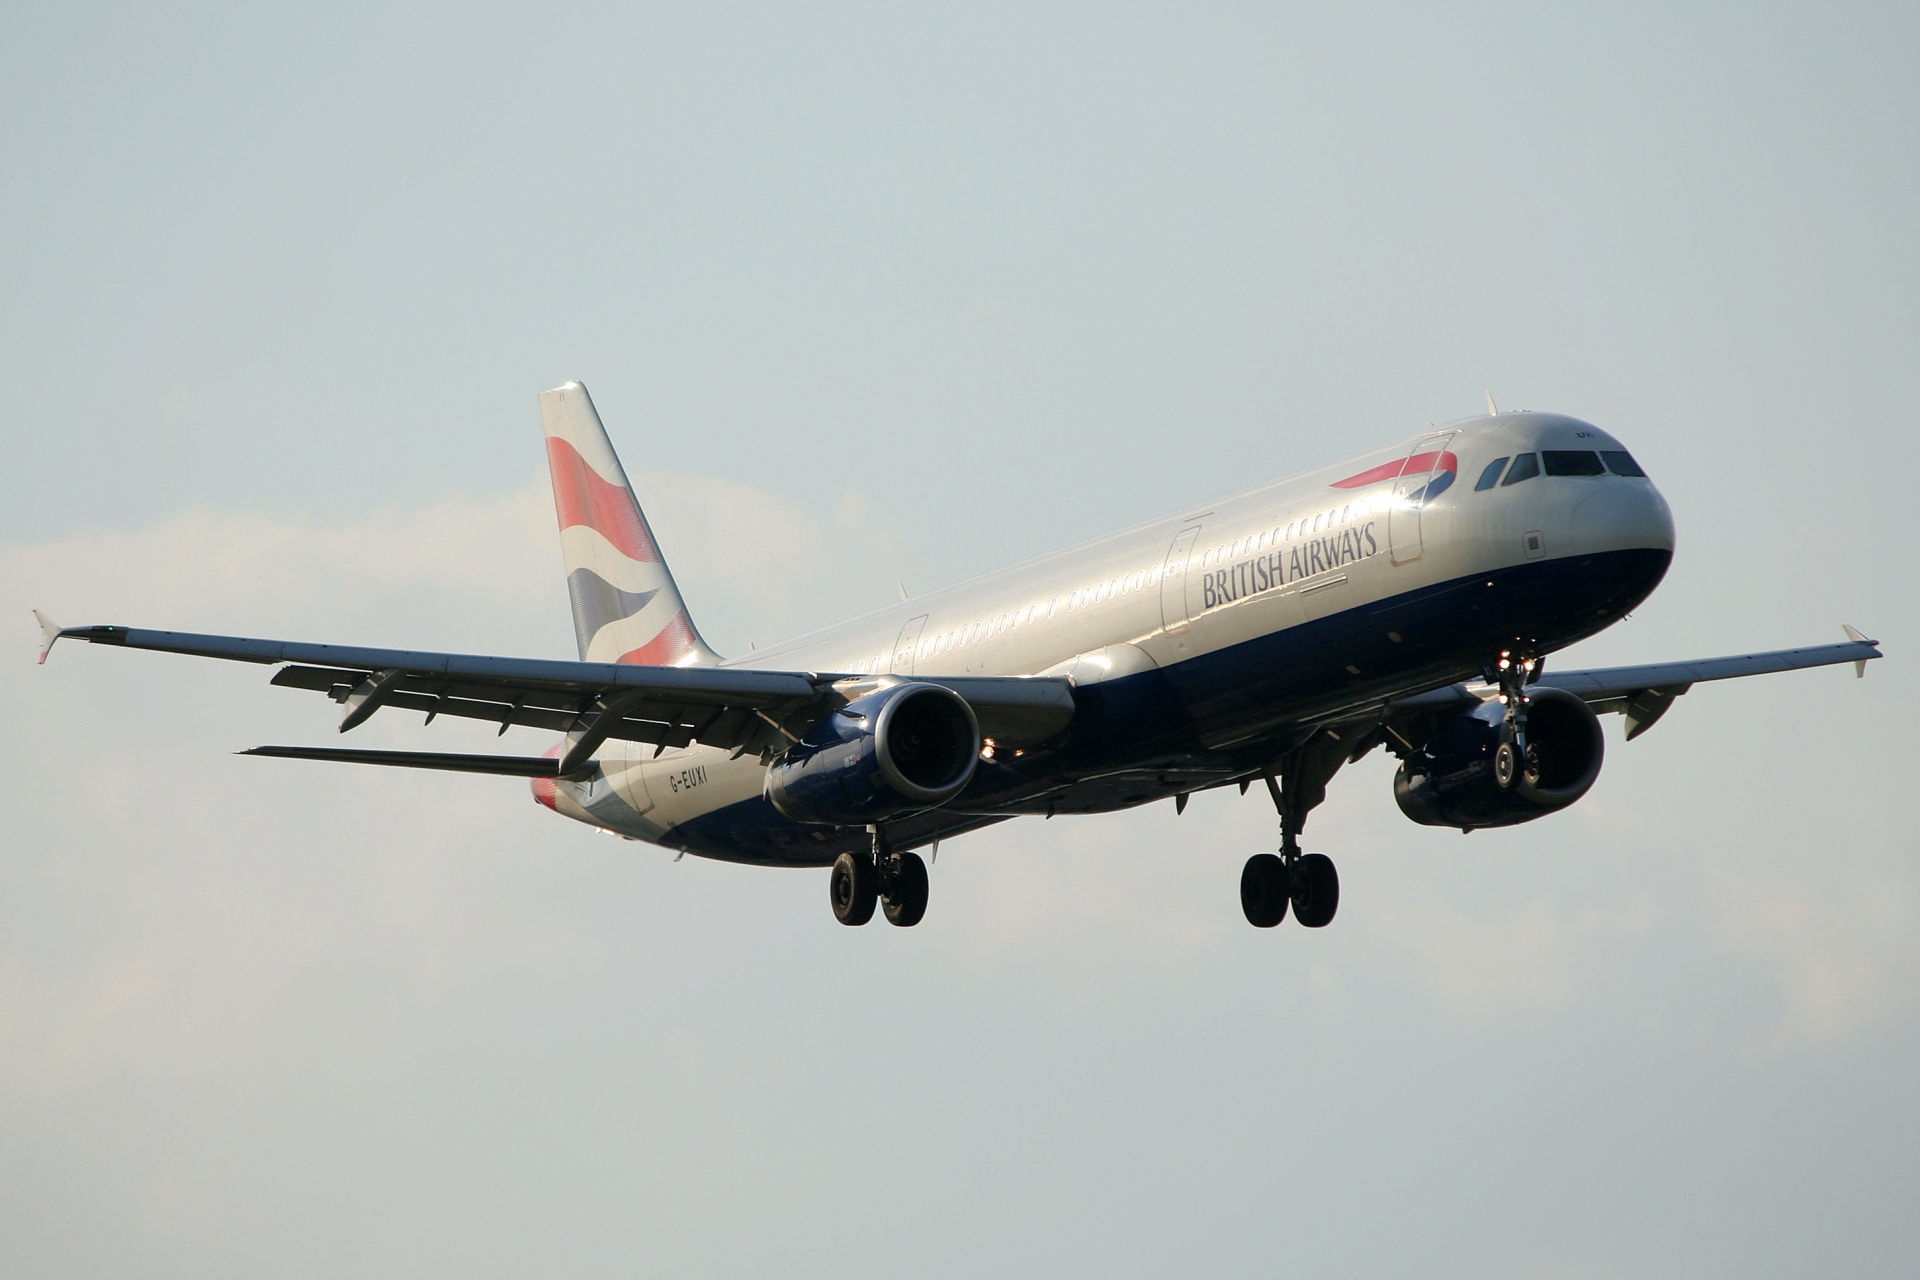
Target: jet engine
[[1453, 779], [895, 751]]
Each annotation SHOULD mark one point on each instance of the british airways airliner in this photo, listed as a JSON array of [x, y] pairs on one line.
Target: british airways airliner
[[1407, 599]]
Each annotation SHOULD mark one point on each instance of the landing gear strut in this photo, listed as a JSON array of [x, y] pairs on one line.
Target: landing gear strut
[[1306, 881], [1515, 758], [895, 882]]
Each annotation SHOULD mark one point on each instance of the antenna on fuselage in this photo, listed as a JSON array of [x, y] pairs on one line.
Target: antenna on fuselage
[[1493, 410]]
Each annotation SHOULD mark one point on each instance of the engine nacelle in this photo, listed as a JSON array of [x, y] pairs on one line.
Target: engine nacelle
[[1451, 780], [895, 751]]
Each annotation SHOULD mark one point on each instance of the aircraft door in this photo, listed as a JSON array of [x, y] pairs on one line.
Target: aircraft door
[[1422, 476], [1175, 614], [906, 645]]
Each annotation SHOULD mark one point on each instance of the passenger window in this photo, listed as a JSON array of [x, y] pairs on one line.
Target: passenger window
[[1525, 467], [1621, 463], [1491, 476], [1573, 462]]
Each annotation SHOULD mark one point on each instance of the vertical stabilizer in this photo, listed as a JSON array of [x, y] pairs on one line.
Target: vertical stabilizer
[[626, 607]]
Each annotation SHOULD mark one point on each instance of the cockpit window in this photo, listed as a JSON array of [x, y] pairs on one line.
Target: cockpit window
[[1573, 462], [1491, 476], [1525, 467], [1621, 463]]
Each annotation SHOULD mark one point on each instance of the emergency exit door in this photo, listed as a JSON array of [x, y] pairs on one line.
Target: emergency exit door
[[1429, 468]]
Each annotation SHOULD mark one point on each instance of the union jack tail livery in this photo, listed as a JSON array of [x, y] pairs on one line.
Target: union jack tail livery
[[626, 607]]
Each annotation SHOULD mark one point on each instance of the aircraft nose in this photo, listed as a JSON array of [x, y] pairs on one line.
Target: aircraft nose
[[1623, 515]]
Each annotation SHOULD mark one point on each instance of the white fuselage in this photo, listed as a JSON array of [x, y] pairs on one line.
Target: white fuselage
[[1194, 585]]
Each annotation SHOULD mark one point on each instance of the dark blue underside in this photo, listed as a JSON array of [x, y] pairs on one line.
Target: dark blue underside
[[1210, 719]]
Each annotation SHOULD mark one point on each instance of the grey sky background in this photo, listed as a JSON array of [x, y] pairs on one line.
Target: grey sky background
[[881, 294]]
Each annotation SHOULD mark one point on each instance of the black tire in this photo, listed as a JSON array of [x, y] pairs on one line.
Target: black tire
[[905, 901], [1505, 765], [853, 888], [1263, 890], [1316, 890]]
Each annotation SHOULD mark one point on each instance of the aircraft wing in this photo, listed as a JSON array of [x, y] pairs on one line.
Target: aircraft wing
[[590, 702], [1643, 693]]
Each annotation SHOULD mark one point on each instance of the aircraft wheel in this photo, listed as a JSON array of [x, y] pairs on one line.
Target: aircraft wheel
[[1316, 890], [905, 900], [1263, 890], [854, 888]]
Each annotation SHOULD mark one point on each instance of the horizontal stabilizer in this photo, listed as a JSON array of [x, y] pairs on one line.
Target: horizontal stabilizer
[[513, 766]]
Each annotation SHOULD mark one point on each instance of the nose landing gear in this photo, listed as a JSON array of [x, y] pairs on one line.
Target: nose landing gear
[[1515, 758]]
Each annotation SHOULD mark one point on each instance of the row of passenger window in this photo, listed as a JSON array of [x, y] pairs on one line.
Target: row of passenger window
[[1303, 528], [1079, 598], [1559, 462], [961, 637], [1128, 583]]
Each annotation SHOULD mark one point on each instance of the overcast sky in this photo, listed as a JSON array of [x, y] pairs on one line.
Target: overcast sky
[[870, 295]]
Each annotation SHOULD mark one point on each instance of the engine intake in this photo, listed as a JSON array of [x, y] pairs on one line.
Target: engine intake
[[897, 750], [1450, 781]]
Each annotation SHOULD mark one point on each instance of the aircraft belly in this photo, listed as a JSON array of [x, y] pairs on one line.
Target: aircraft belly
[[753, 831], [1407, 642]]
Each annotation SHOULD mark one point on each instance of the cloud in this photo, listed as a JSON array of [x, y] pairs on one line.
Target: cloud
[[168, 904], [1842, 940], [1504, 962]]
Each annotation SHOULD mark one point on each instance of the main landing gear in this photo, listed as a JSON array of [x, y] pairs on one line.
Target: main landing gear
[[895, 882], [1271, 882]]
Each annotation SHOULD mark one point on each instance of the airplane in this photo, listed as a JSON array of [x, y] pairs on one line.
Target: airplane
[[1406, 599]]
